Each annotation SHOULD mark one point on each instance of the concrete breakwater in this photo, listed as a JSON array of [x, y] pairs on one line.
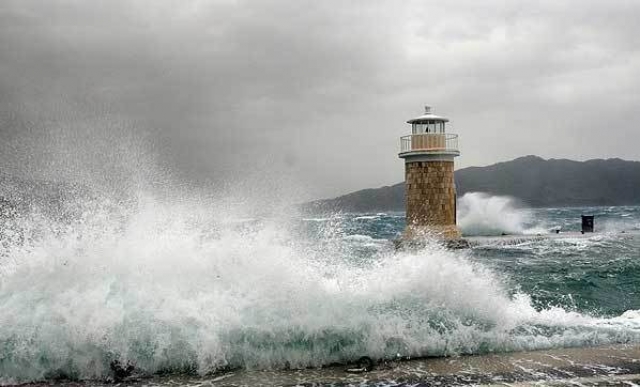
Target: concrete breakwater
[[606, 365]]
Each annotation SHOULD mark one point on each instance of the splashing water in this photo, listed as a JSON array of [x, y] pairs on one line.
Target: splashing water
[[187, 287], [486, 215]]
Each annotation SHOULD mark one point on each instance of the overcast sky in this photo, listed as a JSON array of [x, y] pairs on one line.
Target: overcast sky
[[318, 91]]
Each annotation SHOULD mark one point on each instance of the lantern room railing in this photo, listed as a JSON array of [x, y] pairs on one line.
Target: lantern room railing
[[429, 142]]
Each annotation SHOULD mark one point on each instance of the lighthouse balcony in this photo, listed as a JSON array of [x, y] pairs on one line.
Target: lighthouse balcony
[[429, 143]]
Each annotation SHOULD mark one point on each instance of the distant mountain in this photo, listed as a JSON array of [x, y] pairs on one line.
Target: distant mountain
[[534, 180]]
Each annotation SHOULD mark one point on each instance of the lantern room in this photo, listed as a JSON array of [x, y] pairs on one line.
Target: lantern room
[[428, 136], [428, 123]]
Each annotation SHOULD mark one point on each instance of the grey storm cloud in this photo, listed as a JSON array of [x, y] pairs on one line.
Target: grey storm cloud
[[315, 90]]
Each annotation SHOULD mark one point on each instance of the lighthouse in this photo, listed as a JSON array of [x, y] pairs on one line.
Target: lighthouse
[[428, 154]]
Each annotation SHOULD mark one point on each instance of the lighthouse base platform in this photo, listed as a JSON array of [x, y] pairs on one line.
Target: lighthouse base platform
[[441, 232], [417, 237]]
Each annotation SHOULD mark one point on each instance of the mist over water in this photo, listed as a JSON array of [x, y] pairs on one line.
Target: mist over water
[[172, 279]]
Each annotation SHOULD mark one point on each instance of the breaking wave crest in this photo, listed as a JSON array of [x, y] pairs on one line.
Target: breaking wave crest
[[484, 215], [182, 287]]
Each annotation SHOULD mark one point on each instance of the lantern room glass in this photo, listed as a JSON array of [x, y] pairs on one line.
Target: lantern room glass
[[428, 127]]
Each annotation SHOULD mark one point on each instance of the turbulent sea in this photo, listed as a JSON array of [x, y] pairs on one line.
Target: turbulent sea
[[187, 288]]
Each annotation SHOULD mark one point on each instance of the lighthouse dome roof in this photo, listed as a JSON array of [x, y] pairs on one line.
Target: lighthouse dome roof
[[428, 116]]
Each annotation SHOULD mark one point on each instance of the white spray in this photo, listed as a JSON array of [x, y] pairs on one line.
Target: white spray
[[486, 215], [169, 287]]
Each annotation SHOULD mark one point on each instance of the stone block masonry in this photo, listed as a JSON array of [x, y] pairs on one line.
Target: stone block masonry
[[431, 198]]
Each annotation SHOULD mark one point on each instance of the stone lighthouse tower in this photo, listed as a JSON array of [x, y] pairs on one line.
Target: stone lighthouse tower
[[428, 154]]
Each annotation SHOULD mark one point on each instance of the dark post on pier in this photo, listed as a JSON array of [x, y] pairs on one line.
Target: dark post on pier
[[587, 223]]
